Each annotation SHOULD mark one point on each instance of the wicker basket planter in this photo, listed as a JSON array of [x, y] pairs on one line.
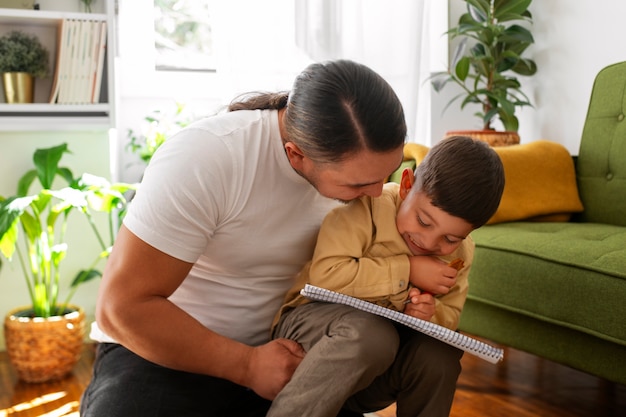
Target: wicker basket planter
[[492, 137], [44, 349]]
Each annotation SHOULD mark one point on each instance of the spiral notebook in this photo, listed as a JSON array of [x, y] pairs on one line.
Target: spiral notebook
[[458, 340]]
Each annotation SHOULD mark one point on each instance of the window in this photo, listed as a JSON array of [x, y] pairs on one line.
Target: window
[[183, 35]]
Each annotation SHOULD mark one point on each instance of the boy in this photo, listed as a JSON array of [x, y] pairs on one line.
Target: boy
[[392, 250]]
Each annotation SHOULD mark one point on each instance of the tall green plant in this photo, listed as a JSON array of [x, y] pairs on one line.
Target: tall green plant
[[43, 217], [484, 71]]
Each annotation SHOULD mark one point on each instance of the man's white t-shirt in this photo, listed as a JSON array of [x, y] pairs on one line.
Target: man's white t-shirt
[[222, 194]]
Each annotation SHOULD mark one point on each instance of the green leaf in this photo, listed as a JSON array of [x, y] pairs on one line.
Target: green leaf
[[66, 174], [85, 276], [459, 52], [505, 10], [41, 201], [9, 239], [123, 187], [462, 68], [69, 197], [10, 211], [90, 180], [47, 162], [525, 67], [31, 226], [516, 33], [440, 80], [25, 182], [478, 9], [54, 214], [57, 253], [490, 115], [41, 303], [509, 121]]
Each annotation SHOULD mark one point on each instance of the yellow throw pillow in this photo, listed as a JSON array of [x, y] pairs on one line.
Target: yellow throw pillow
[[415, 151], [540, 183]]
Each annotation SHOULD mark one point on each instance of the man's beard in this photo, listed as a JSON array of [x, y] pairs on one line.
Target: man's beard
[[313, 182]]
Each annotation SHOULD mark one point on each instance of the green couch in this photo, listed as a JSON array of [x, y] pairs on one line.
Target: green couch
[[558, 289]]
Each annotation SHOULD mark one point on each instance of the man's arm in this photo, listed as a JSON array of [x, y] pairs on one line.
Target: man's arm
[[133, 309]]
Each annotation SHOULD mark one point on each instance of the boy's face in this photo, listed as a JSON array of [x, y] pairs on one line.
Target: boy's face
[[426, 229]]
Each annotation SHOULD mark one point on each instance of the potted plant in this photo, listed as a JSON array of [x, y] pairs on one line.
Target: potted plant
[[51, 323], [22, 57], [484, 64]]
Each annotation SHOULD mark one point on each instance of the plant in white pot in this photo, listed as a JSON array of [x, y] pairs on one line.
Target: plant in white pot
[[486, 61], [22, 58], [44, 339]]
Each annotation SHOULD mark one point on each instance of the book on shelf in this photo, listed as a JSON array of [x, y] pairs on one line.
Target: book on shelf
[[61, 60], [80, 61], [99, 67], [456, 339]]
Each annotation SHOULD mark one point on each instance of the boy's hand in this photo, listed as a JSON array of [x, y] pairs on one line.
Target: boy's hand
[[431, 274], [421, 305]]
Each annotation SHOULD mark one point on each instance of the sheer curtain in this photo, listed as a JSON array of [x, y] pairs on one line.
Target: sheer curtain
[[265, 47], [402, 40]]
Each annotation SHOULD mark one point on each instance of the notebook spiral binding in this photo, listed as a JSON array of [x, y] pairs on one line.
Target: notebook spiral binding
[[468, 344]]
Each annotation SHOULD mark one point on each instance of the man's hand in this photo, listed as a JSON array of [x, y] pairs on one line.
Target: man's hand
[[270, 366]]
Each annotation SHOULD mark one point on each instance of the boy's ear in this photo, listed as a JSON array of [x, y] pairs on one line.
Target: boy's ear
[[406, 182]]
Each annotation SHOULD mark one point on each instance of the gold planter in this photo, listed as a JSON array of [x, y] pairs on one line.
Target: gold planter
[[18, 87], [492, 137], [44, 349]]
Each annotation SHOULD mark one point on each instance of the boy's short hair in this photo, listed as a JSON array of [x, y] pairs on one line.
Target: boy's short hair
[[463, 177]]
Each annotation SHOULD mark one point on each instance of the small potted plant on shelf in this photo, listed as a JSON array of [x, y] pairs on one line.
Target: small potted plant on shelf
[[44, 339], [22, 58], [484, 64]]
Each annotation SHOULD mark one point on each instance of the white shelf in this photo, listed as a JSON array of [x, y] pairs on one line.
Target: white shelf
[[44, 24], [43, 17], [34, 117], [54, 123], [35, 108]]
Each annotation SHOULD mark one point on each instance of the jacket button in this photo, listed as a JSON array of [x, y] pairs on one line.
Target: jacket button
[[620, 117], [609, 176]]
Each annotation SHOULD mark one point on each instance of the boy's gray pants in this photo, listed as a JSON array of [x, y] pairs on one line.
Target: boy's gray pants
[[363, 362]]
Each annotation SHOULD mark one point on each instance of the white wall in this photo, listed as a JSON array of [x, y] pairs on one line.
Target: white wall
[[573, 41]]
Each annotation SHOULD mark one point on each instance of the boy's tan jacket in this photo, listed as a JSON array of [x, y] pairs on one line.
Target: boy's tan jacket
[[360, 253]]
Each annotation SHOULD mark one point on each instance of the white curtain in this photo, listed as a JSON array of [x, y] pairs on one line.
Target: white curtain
[[264, 44], [400, 39], [255, 46]]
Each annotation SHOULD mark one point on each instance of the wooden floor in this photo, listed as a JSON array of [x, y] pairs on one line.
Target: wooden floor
[[521, 386], [49, 399]]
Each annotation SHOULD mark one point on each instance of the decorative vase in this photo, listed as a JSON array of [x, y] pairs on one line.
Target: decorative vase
[[44, 349], [18, 87], [492, 137]]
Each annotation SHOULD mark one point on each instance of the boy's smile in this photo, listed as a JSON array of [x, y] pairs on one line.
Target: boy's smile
[[428, 230]]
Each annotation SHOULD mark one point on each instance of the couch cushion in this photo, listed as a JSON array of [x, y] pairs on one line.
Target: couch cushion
[[601, 166], [569, 274]]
